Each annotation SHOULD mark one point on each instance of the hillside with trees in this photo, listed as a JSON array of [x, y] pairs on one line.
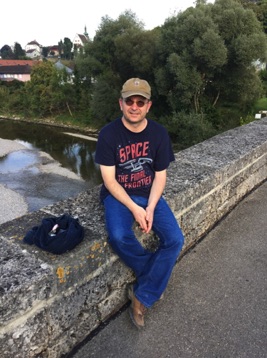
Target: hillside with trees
[[200, 64]]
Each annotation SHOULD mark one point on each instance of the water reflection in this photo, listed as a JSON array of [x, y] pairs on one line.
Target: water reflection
[[74, 153], [16, 161]]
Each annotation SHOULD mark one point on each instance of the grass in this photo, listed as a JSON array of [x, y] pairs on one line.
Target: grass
[[261, 105]]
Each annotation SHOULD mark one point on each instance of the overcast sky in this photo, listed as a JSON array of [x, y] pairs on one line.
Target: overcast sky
[[50, 21]]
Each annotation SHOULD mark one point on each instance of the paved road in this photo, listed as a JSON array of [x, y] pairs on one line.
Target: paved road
[[216, 303]]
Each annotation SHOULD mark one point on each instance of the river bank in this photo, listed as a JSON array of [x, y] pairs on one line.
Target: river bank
[[53, 122], [44, 180]]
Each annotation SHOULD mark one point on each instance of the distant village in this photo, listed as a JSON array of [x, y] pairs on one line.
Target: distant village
[[34, 50], [21, 69]]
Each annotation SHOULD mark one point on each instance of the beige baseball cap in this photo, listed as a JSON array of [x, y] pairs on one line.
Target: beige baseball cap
[[134, 87]]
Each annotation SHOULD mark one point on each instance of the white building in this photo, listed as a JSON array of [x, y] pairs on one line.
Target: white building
[[33, 49], [80, 41]]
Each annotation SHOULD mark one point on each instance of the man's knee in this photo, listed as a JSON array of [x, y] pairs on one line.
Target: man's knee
[[176, 240], [119, 238]]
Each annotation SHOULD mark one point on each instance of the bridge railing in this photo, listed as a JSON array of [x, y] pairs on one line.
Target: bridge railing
[[51, 303]]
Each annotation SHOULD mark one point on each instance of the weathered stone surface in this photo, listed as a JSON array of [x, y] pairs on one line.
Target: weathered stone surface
[[50, 303], [25, 281], [7, 212]]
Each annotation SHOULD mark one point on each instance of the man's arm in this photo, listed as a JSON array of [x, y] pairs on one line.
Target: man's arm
[[116, 190], [155, 194]]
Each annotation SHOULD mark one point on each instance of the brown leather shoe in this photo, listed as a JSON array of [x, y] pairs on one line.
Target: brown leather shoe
[[137, 310]]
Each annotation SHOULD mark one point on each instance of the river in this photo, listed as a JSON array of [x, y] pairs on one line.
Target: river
[[40, 185]]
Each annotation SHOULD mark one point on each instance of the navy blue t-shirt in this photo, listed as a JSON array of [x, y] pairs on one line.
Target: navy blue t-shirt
[[136, 155]]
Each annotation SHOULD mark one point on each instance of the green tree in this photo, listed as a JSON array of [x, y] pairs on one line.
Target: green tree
[[246, 43], [49, 92], [63, 92], [11, 97], [87, 68], [7, 53], [259, 8], [193, 128], [38, 89], [19, 53], [136, 51], [200, 65], [204, 49], [200, 2], [104, 44], [67, 48], [45, 51], [60, 48], [193, 52], [4, 98], [120, 49]]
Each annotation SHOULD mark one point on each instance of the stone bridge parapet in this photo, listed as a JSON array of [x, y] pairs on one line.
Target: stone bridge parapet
[[51, 303]]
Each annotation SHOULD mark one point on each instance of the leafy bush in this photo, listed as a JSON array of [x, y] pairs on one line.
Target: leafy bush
[[187, 129], [261, 105]]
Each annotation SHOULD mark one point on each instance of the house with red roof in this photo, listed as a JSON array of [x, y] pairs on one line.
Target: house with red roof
[[16, 69], [17, 62], [15, 72]]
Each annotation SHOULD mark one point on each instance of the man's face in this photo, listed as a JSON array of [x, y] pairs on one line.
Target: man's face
[[134, 109]]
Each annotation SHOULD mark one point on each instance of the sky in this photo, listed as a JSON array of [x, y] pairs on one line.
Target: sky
[[50, 21]]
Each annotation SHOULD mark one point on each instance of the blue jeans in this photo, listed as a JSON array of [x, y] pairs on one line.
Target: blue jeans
[[152, 269]]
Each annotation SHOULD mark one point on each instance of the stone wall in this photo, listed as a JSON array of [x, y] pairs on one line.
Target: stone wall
[[50, 303]]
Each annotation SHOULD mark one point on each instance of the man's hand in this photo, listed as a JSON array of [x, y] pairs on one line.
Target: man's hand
[[142, 218], [149, 218]]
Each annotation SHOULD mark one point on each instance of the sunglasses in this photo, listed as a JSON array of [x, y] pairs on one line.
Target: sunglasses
[[139, 103]]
